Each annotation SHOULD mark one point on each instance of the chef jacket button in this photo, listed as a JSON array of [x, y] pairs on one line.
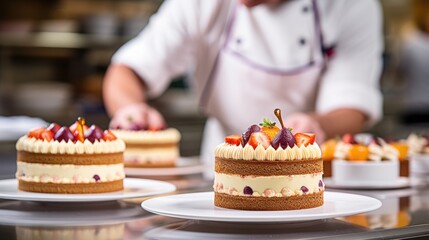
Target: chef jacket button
[[238, 41], [302, 41], [306, 9]]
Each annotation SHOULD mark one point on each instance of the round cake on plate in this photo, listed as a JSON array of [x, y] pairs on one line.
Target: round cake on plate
[[419, 152], [365, 159], [75, 159], [150, 148], [268, 168]]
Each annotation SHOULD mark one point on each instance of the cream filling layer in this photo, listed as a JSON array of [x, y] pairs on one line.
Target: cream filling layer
[[225, 150], [54, 147], [170, 135], [268, 186], [68, 173], [154, 155]]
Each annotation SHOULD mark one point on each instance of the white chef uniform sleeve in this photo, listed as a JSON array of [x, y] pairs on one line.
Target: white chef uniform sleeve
[[163, 49], [353, 73]]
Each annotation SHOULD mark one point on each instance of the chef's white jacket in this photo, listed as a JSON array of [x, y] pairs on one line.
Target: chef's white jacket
[[187, 35]]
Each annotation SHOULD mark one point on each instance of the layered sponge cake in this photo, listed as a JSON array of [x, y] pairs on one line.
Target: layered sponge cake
[[75, 159], [268, 168], [150, 148]]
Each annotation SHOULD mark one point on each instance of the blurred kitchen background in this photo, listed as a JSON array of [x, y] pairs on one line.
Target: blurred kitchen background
[[54, 53]]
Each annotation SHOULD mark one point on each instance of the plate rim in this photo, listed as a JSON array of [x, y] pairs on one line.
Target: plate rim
[[330, 183], [260, 219], [180, 170], [92, 197]]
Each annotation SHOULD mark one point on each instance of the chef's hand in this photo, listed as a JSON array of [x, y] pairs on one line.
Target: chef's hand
[[305, 123], [139, 116]]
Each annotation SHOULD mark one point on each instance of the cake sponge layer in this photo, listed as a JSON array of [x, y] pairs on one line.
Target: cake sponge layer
[[268, 203], [268, 168], [99, 187]]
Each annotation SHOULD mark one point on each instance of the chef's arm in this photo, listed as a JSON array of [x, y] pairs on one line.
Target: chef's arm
[[341, 121], [349, 97], [122, 87]]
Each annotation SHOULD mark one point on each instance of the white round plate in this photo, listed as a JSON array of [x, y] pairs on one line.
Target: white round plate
[[133, 188], [200, 206], [185, 166], [25, 213], [402, 182]]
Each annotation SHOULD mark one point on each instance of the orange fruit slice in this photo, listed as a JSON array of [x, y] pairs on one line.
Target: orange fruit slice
[[358, 152], [402, 149], [328, 149]]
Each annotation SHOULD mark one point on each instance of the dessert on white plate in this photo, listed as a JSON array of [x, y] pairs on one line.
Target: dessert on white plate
[[419, 152], [365, 159]]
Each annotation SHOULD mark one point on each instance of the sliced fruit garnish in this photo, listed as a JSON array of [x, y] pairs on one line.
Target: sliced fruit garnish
[[233, 139], [246, 135], [35, 133], [64, 134], [79, 132], [358, 152], [269, 128], [328, 149], [73, 127], [54, 127], [284, 137], [47, 135], [94, 133], [348, 138], [304, 139], [259, 138], [109, 136], [402, 149]]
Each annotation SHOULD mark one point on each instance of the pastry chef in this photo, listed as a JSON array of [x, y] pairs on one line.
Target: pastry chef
[[319, 61]]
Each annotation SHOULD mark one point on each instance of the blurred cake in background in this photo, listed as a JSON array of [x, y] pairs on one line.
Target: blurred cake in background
[[328, 151], [150, 148], [105, 232], [419, 152], [75, 159], [365, 158]]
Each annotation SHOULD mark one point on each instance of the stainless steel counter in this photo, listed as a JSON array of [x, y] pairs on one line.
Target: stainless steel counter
[[405, 213]]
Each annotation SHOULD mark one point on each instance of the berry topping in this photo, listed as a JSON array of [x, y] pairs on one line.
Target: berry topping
[[64, 134], [73, 127], [269, 128], [96, 177], [108, 136], [137, 127], [233, 139], [348, 138], [247, 190], [35, 133], [376, 140], [259, 138], [304, 139], [320, 183], [53, 127], [284, 137], [46, 135], [246, 135], [304, 189], [94, 133]]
